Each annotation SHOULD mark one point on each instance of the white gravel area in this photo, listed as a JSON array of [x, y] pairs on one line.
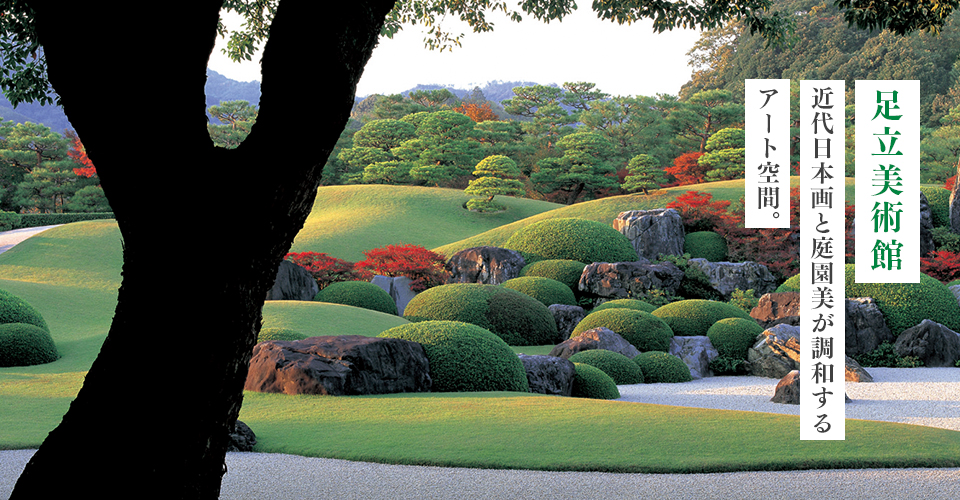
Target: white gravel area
[[923, 396]]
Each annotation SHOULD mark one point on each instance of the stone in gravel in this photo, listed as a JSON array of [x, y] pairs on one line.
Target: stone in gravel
[[776, 353], [933, 343], [865, 327], [696, 352], [788, 390], [549, 374], [853, 372]]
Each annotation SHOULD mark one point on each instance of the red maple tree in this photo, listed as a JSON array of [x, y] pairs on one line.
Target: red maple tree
[[687, 170], [477, 113], [79, 156], [423, 267]]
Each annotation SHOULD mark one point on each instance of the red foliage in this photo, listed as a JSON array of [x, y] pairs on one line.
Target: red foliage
[[477, 113], [698, 212], [949, 184], [686, 169], [79, 156], [423, 267], [942, 265], [324, 268]]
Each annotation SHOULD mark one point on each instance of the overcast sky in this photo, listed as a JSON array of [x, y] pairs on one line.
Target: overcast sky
[[621, 60]]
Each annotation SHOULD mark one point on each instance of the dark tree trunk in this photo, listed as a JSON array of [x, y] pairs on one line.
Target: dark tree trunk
[[152, 417]]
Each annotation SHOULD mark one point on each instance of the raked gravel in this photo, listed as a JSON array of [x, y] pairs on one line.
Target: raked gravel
[[921, 396]]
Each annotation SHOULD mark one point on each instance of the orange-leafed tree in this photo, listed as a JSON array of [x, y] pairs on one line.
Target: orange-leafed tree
[[687, 169], [478, 113], [79, 156]]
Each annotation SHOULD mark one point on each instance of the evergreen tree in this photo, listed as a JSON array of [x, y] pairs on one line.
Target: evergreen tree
[[584, 166], [643, 170], [495, 175]]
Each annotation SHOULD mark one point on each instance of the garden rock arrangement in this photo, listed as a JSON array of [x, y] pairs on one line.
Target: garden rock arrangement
[[931, 342], [865, 327], [725, 277], [398, 288], [596, 338], [775, 308], [788, 390], [620, 280], [566, 317], [549, 374], [339, 366], [293, 283], [696, 352], [486, 265], [776, 353], [242, 438], [652, 232]]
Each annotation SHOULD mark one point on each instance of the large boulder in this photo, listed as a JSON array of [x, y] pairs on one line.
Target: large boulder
[[775, 308], [776, 353], [597, 338], [933, 343], [926, 226], [242, 438], [621, 280], [865, 327], [725, 277], [788, 390], [293, 283], [486, 265], [853, 372], [566, 317], [549, 374], [339, 366], [696, 352], [398, 288], [652, 232]]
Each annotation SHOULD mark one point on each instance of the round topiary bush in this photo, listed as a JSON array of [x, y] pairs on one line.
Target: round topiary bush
[[545, 290], [731, 337], [575, 239], [620, 368], [659, 367], [279, 334], [705, 245], [465, 357], [939, 201], [644, 330], [904, 305], [13, 309], [358, 294], [565, 271], [636, 305], [695, 316], [23, 344], [516, 318], [591, 382]]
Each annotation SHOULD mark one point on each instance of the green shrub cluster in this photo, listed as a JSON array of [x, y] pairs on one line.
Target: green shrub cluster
[[705, 245], [9, 220], [731, 337], [724, 365], [358, 294], [37, 220], [13, 309], [945, 239], [465, 357], [662, 367], [939, 201], [885, 356], [695, 283], [695, 316], [636, 305], [565, 271], [279, 334], [620, 368], [904, 305], [547, 291], [516, 318], [591, 382], [23, 344], [574, 239], [745, 300], [644, 330]]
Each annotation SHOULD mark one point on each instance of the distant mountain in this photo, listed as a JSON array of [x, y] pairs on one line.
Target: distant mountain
[[493, 91]]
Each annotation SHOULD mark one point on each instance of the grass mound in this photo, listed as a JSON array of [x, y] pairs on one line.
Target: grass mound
[[662, 367], [644, 330], [547, 291], [591, 382], [574, 239], [13, 309], [733, 336], [22, 344], [620, 368], [695, 316], [637, 305]]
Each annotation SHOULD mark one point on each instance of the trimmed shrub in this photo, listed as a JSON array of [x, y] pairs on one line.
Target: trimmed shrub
[[706, 245], [723, 365], [565, 271], [636, 305], [279, 334], [660, 367], [570, 238], [9, 220], [745, 300], [733, 336], [358, 294], [465, 357], [904, 305], [13, 309], [620, 368], [591, 382], [939, 200], [23, 344], [516, 318], [545, 290], [696, 316], [644, 330]]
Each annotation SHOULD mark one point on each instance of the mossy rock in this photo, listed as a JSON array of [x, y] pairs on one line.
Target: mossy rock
[[516, 318], [621, 369], [23, 344], [358, 294], [565, 271], [732, 337], [644, 330], [939, 201], [286, 334], [547, 291], [636, 305], [705, 245], [695, 316], [13, 309], [591, 382], [662, 367], [465, 357], [904, 305], [574, 239]]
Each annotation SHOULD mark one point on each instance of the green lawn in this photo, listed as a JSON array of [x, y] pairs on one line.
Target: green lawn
[[70, 274]]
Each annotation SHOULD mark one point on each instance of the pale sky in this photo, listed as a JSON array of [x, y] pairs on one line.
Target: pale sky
[[621, 60]]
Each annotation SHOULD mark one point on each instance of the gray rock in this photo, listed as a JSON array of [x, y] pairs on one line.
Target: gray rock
[[566, 317], [486, 265], [549, 374], [242, 438], [776, 353], [788, 389], [865, 327], [398, 288], [775, 308], [597, 338], [853, 372], [725, 277], [621, 280], [933, 343], [926, 226], [696, 352], [293, 283], [652, 232], [955, 290], [339, 366]]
